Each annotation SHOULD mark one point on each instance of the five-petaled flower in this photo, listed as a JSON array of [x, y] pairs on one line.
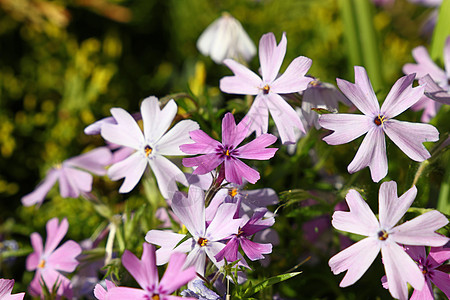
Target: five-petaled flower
[[269, 88], [376, 122], [385, 236], [228, 153], [151, 147], [49, 261]]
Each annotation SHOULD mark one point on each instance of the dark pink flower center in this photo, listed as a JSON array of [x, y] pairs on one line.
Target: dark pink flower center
[[266, 89], [382, 235], [202, 242], [226, 152], [379, 120]]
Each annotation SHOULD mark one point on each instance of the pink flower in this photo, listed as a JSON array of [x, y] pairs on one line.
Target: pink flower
[[101, 293], [49, 261], [228, 153], [73, 180], [377, 122], [146, 274], [385, 236], [270, 87], [6, 287], [151, 146]]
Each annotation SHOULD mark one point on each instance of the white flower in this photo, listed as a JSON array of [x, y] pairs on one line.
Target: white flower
[[226, 38]]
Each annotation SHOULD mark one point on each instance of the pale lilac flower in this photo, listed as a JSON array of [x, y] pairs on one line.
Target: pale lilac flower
[[430, 270], [200, 291], [146, 274], [100, 292], [385, 236], [225, 38], [243, 235], [228, 153], [96, 127], [269, 88], [440, 87], [151, 147], [434, 91], [323, 95], [50, 261], [377, 122], [6, 287], [205, 241], [73, 178]]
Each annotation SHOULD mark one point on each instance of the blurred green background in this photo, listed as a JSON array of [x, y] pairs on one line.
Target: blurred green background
[[65, 63]]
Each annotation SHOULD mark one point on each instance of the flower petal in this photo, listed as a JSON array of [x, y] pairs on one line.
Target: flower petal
[[372, 153], [442, 281], [360, 93], [73, 181], [204, 144], [37, 196], [175, 275], [169, 143], [64, 258], [235, 170], [434, 91], [355, 259], [204, 163], [424, 66], [230, 251], [132, 168], [400, 133], [420, 231], [285, 117], [346, 127], [156, 121], [196, 258], [253, 250], [439, 255], [93, 161], [258, 116], [425, 294], [293, 79], [126, 132], [167, 240], [34, 258], [360, 219], [166, 173], [144, 270], [271, 56], [228, 130], [400, 269], [256, 149], [55, 233], [223, 225], [401, 97], [447, 56], [121, 292], [191, 210], [392, 208], [244, 81]]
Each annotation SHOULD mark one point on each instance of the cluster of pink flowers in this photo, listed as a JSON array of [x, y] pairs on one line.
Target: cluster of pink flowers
[[218, 224]]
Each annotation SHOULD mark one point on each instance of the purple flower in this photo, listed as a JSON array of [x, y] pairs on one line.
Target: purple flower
[[100, 292], [269, 88], [227, 153], [200, 291], [49, 261], [440, 78], [151, 147], [6, 286], [253, 250], [205, 241], [376, 122], [146, 274], [73, 180], [385, 236]]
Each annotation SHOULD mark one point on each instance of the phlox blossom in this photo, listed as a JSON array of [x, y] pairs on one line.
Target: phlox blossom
[[50, 261], [377, 122], [383, 235], [270, 87], [6, 287], [151, 146]]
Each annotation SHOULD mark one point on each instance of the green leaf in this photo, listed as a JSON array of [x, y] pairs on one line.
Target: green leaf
[[268, 282], [441, 32], [186, 237]]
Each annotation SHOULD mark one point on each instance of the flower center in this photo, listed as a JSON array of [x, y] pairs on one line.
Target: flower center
[[379, 120], [202, 242], [41, 264], [155, 297], [315, 82], [227, 152], [148, 150], [266, 89], [233, 192], [382, 235], [240, 232]]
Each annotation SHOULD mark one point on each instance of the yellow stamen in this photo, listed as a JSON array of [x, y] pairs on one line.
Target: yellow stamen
[[382, 235], [155, 297], [148, 150], [379, 120], [41, 264], [233, 192], [227, 153], [266, 89], [202, 242]]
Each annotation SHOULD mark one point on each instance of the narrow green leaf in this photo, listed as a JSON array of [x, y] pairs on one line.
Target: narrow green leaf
[[441, 32], [443, 204], [346, 8], [268, 282], [186, 237]]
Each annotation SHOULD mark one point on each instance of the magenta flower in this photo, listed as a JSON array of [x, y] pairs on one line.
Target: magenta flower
[[6, 287], [243, 235], [376, 122], [227, 153], [425, 66], [146, 274], [151, 147], [73, 179], [205, 240], [385, 236], [49, 261], [269, 88]]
